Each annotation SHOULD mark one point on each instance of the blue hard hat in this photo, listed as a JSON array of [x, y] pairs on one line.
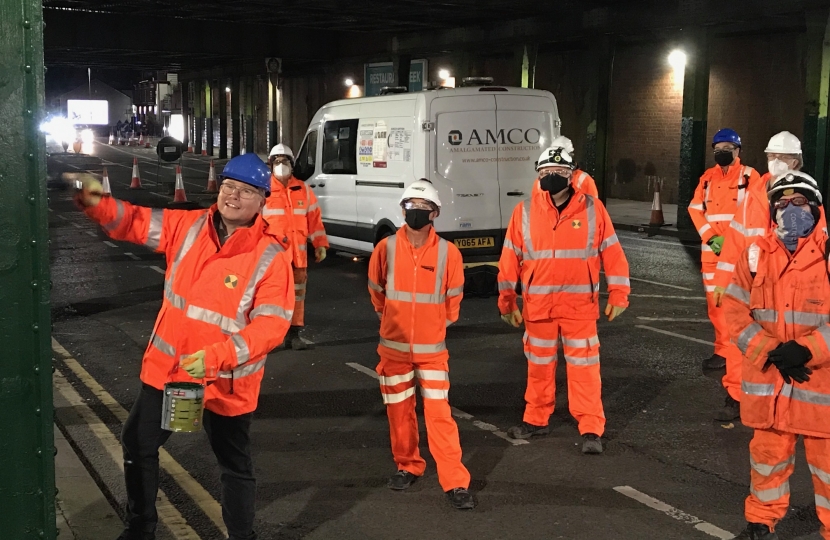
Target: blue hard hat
[[248, 168], [727, 135]]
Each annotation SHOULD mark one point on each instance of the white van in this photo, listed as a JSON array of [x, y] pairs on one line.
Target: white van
[[478, 146]]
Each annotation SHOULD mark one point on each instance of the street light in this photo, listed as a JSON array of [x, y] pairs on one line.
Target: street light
[[677, 59], [349, 82], [227, 89], [444, 74]]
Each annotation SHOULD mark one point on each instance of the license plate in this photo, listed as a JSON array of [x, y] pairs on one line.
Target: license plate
[[468, 243]]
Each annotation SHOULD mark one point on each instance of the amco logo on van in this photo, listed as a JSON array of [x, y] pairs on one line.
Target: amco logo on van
[[502, 136]]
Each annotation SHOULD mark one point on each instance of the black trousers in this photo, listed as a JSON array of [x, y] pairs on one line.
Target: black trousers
[[230, 440]]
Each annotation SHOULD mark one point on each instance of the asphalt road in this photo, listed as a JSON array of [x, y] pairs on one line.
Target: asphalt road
[[320, 434]]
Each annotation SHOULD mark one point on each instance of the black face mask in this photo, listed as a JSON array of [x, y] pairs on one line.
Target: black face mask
[[553, 183], [417, 218], [724, 158]]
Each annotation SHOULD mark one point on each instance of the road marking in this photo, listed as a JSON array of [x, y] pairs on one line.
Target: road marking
[[666, 332], [110, 244], [672, 512], [657, 283], [92, 234], [157, 269], [194, 489], [133, 256], [168, 513], [672, 319], [662, 296], [458, 413], [675, 244], [148, 161]]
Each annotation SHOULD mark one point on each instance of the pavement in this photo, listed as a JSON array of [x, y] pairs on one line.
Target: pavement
[[320, 434]]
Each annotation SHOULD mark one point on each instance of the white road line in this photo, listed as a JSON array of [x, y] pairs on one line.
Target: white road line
[[672, 319], [60, 216], [458, 413], [90, 233], [672, 512], [110, 244], [675, 244], [77, 226], [657, 283], [157, 269], [671, 297], [133, 256], [666, 332], [51, 210]]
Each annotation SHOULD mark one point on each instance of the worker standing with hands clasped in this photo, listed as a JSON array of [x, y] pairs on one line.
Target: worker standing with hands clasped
[[292, 210], [228, 298], [720, 192], [416, 281], [554, 244], [778, 308]]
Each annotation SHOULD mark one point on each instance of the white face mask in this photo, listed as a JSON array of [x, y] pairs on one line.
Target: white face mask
[[777, 167], [282, 171]]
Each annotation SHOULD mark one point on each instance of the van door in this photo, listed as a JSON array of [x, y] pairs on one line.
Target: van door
[[334, 184], [528, 124], [465, 171]]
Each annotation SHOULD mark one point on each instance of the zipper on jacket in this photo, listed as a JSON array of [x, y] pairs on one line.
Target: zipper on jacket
[[591, 281]]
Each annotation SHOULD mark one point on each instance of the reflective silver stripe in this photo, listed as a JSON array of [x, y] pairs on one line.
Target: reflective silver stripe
[[163, 346], [805, 318], [442, 266], [417, 348], [551, 289], [271, 309], [302, 247], [708, 276], [507, 285], [720, 217], [529, 253], [300, 211], [226, 324], [823, 502], [241, 348], [617, 280], [541, 360], [696, 207], [703, 229], [818, 473], [317, 234], [420, 298], [765, 315], [299, 298], [746, 336], [375, 287], [738, 227], [825, 333], [608, 242], [119, 216], [154, 229], [509, 245], [432, 393], [725, 266], [581, 343], [189, 239], [767, 470], [580, 361], [299, 286], [592, 227], [432, 375], [247, 300], [705, 247], [391, 246], [396, 379], [757, 389], [313, 207], [755, 232], [273, 211], [574, 253], [455, 291], [772, 494], [710, 288], [808, 396], [539, 342], [738, 293], [391, 399], [243, 371]]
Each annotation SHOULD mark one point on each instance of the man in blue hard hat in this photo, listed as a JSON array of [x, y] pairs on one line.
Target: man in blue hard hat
[[720, 191]]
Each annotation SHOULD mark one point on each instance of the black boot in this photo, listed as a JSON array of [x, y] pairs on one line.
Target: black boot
[[133, 535], [715, 361], [526, 431], [294, 341], [731, 410], [401, 480], [461, 499], [757, 531], [591, 444]]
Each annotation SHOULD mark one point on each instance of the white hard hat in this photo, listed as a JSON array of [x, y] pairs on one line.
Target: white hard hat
[[797, 181], [783, 143], [563, 142], [281, 150], [421, 189], [556, 156]]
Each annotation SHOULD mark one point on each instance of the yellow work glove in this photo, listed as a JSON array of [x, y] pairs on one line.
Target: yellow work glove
[[613, 311], [89, 189], [718, 295], [716, 243], [194, 365], [320, 254], [514, 318]]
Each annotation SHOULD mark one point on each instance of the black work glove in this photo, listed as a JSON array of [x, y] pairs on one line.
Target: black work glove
[[790, 359]]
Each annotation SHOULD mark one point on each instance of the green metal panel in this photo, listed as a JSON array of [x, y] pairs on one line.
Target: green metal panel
[[27, 477]]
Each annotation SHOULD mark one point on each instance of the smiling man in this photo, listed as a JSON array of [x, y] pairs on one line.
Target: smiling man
[[228, 301]]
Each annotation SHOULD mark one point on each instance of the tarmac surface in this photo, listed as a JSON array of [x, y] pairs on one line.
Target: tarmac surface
[[320, 435]]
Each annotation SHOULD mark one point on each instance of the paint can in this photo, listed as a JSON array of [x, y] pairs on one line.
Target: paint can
[[182, 407]]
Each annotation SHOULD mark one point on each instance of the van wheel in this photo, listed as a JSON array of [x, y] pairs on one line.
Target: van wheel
[[383, 233]]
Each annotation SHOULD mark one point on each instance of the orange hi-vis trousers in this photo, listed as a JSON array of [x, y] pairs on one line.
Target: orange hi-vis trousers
[[300, 282], [581, 350], [397, 386], [772, 457], [723, 346]]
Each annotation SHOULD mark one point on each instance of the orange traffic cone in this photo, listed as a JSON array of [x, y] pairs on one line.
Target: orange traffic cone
[[204, 150], [105, 181], [212, 186], [141, 140], [112, 139], [77, 146], [189, 148], [657, 209], [136, 182], [147, 142], [179, 195]]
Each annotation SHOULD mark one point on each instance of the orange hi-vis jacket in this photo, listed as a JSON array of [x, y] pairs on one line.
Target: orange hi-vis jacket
[[557, 258], [419, 293], [776, 297], [751, 221], [292, 210], [585, 183], [233, 301], [716, 198]]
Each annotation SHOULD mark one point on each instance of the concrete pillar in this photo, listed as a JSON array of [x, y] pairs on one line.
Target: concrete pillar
[[400, 64], [237, 88], [198, 115], [273, 106], [693, 123], [250, 85], [598, 103], [816, 144], [223, 118], [209, 118]]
